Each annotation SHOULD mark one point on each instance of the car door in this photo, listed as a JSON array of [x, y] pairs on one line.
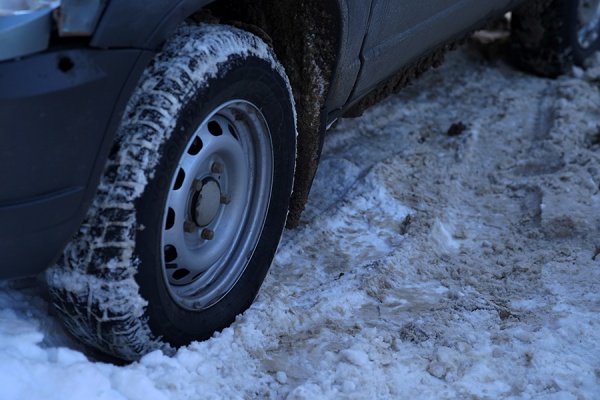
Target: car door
[[402, 30]]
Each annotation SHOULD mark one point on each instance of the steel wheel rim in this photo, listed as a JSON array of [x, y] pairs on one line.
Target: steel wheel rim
[[588, 14], [217, 205]]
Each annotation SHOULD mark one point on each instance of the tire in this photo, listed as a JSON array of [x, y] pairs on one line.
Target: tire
[[192, 203], [549, 36]]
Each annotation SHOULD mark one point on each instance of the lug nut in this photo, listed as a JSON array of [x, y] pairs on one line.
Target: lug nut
[[207, 234], [190, 227], [197, 185], [225, 199], [217, 168]]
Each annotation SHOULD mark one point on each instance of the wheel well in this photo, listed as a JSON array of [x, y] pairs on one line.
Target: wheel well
[[305, 37]]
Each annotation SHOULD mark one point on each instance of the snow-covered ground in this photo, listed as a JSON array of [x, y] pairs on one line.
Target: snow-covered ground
[[428, 265]]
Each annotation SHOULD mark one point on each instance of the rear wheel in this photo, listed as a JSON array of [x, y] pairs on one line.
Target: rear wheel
[[549, 36], [192, 203]]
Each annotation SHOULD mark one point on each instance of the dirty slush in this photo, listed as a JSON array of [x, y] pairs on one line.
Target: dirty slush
[[448, 250]]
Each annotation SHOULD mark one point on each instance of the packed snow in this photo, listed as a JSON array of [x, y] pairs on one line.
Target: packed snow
[[448, 250]]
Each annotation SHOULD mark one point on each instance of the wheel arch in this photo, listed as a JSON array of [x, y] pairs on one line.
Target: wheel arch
[[143, 24]]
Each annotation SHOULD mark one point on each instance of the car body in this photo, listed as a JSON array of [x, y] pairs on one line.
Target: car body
[[68, 74]]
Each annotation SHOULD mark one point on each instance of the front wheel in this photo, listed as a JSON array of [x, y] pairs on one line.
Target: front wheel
[[193, 201], [549, 36]]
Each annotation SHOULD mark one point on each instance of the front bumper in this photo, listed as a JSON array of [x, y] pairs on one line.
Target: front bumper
[[58, 114]]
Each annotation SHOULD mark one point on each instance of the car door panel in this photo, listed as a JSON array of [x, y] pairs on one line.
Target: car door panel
[[401, 31]]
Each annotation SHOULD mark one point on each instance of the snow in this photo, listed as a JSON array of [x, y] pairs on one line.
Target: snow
[[426, 266]]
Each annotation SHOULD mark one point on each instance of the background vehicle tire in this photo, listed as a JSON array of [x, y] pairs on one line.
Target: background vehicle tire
[[192, 203], [548, 36]]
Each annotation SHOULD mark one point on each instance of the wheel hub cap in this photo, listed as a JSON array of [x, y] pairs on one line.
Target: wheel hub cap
[[207, 203]]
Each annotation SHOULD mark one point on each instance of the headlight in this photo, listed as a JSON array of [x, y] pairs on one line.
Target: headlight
[[19, 7], [25, 26]]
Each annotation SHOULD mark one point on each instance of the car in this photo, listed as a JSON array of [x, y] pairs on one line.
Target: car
[[154, 150]]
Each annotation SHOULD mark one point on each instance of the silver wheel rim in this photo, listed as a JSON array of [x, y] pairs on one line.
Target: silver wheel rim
[[217, 205], [588, 14]]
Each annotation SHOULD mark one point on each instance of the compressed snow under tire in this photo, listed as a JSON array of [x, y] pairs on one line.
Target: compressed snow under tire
[[545, 37], [108, 287]]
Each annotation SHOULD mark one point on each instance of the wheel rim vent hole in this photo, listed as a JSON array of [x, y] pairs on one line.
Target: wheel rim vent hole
[[180, 274], [214, 128], [170, 253], [170, 219], [195, 147], [179, 180]]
